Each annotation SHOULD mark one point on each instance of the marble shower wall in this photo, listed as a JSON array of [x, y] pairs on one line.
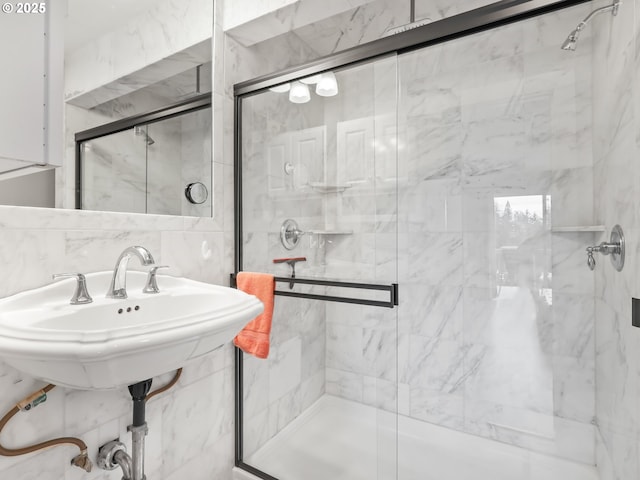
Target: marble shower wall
[[194, 417], [616, 145]]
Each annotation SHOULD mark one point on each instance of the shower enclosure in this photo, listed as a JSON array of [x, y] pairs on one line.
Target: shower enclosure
[[454, 166]]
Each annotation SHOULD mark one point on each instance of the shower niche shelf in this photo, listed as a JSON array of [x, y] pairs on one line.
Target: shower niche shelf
[[330, 232], [579, 229], [328, 188]]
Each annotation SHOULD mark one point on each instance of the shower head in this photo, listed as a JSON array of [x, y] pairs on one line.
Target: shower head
[[571, 41], [408, 26]]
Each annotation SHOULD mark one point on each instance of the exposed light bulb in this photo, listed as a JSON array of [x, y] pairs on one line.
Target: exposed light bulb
[[299, 93], [327, 85]]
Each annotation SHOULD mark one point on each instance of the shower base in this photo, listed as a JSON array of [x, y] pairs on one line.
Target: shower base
[[342, 440]]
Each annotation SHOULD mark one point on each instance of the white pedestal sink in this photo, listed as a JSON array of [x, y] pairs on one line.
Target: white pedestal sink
[[112, 343]]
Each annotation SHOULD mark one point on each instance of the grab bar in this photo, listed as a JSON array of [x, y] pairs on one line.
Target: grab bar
[[391, 288]]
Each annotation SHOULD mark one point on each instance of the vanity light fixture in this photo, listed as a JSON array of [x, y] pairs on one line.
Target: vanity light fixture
[[299, 93], [312, 80], [284, 88], [327, 85]]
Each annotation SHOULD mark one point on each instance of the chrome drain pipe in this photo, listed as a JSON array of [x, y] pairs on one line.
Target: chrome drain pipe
[[137, 455], [114, 454]]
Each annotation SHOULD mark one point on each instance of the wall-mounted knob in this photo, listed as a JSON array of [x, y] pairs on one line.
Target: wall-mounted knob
[[290, 234], [615, 247]]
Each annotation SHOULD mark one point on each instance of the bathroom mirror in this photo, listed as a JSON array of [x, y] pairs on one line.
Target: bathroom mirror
[[123, 59]]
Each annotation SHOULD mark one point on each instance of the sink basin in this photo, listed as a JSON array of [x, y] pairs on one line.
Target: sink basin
[[113, 342]]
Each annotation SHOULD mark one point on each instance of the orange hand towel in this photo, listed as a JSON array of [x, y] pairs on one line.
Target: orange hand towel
[[254, 337]]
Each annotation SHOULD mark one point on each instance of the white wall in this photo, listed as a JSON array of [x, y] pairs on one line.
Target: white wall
[[36, 189]]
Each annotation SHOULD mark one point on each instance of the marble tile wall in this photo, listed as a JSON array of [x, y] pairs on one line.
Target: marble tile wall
[[194, 417], [105, 69], [616, 114]]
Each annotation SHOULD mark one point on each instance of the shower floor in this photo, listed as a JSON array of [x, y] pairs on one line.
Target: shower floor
[[338, 439]]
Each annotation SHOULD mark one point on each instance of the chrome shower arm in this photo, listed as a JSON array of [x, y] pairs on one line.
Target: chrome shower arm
[[572, 39], [613, 8]]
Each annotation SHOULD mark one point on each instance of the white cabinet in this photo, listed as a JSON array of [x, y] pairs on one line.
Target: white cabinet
[[31, 83]]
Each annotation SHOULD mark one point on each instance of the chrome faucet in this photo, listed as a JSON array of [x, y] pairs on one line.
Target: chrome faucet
[[81, 295], [118, 287]]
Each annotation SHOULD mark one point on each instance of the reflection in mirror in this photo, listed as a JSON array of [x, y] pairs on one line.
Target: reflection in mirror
[[124, 58], [145, 168]]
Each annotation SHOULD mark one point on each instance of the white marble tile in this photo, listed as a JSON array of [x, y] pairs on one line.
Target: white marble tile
[[86, 410], [198, 255], [431, 311], [431, 205], [574, 389], [312, 388], [203, 467], [195, 417], [573, 325], [379, 352], [256, 432], [441, 264], [570, 273], [284, 368], [345, 348], [284, 410], [380, 393], [433, 363], [345, 384], [34, 467], [29, 258], [438, 407]]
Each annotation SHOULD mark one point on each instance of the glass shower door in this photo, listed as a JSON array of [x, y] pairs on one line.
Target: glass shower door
[[324, 404], [496, 319]]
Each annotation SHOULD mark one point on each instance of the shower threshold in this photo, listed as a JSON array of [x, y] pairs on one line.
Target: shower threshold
[[344, 440]]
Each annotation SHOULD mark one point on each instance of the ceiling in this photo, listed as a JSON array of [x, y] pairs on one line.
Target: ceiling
[[90, 19]]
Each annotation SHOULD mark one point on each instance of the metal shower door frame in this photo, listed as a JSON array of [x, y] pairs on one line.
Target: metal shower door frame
[[497, 14]]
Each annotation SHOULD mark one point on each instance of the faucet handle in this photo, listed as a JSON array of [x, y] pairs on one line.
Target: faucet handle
[[81, 295], [152, 284]]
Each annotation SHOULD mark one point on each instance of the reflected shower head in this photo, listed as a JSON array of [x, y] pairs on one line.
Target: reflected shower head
[[571, 41], [140, 132]]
